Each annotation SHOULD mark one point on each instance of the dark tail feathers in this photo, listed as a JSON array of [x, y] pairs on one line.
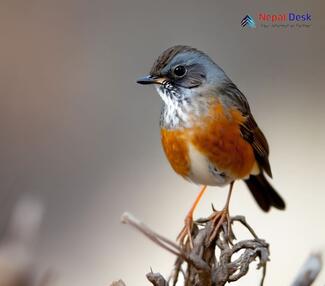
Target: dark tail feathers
[[264, 193]]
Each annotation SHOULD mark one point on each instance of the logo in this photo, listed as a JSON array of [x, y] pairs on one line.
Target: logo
[[278, 20], [248, 21], [284, 17]]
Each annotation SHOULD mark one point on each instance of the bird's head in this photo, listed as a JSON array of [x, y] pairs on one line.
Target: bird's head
[[182, 72]]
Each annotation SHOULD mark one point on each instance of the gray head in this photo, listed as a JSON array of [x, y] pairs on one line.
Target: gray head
[[182, 72]]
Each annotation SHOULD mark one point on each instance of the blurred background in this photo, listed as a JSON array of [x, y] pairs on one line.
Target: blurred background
[[81, 136]]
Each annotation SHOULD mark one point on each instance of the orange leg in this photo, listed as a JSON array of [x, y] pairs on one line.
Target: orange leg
[[219, 217], [187, 229]]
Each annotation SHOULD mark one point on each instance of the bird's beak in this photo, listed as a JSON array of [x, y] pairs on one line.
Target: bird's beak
[[149, 79]]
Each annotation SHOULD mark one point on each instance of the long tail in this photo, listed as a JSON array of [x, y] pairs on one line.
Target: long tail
[[264, 193]]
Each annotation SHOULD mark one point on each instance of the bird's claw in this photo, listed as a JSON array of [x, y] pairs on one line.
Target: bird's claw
[[221, 222], [185, 235]]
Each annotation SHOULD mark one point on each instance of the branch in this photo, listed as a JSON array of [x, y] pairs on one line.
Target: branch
[[156, 279], [202, 264], [309, 271]]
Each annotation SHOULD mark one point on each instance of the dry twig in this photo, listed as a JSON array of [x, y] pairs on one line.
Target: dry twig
[[309, 271], [201, 265]]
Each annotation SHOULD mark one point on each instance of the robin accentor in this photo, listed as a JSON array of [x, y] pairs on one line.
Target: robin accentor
[[208, 132]]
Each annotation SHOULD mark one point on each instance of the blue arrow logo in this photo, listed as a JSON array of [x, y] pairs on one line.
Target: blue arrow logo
[[248, 21]]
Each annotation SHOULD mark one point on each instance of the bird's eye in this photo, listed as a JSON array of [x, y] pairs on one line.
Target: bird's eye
[[179, 71]]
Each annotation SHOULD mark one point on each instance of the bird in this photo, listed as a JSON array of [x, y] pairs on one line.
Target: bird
[[208, 132]]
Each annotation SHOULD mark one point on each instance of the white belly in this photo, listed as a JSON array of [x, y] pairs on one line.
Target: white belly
[[203, 172]]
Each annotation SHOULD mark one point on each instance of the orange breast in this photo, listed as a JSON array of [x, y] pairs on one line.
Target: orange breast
[[218, 137], [176, 149]]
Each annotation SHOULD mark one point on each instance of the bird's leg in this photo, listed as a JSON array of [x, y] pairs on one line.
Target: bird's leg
[[186, 232], [218, 218]]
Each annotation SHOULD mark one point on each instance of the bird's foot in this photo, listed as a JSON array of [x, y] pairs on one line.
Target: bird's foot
[[220, 222], [185, 236]]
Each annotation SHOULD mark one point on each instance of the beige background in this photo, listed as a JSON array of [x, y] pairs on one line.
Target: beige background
[[78, 132]]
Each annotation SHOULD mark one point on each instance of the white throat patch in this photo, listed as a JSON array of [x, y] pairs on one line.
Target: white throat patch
[[174, 111]]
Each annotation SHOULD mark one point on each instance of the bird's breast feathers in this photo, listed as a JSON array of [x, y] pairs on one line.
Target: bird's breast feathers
[[212, 151]]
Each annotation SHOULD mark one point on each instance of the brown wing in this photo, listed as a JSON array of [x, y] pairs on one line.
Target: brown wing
[[250, 130], [256, 138]]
